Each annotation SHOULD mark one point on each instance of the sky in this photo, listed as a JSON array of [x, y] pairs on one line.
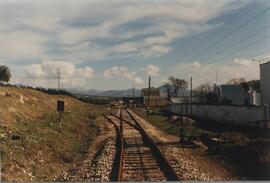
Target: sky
[[117, 44]]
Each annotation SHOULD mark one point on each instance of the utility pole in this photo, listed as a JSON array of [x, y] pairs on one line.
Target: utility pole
[[58, 73], [149, 85], [60, 103], [216, 76], [191, 96], [121, 121]]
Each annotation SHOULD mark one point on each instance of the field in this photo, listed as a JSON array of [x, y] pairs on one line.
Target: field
[[33, 147]]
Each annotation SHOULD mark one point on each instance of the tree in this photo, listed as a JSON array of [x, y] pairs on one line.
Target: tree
[[5, 74], [203, 90], [179, 86], [236, 81], [254, 84]]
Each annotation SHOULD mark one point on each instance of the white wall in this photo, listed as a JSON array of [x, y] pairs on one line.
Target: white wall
[[221, 113]]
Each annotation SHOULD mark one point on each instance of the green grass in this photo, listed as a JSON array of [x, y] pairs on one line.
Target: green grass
[[162, 121]]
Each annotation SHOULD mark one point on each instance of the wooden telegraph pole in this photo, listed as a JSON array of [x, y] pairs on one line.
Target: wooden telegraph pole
[[191, 96], [60, 103], [148, 99], [58, 78]]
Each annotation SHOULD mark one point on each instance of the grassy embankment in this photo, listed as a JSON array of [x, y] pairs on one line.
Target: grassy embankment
[[162, 121], [32, 149]]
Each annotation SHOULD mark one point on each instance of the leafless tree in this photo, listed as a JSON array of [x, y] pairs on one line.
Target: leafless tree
[[179, 86], [206, 94], [203, 89], [5, 74]]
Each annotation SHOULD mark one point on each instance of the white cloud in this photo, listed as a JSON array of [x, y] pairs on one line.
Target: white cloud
[[83, 31], [244, 62], [67, 25], [47, 70], [21, 44], [34, 71], [122, 72], [86, 72], [152, 70], [196, 64]]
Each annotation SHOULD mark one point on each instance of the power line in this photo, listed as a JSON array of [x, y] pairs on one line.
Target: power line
[[242, 40], [247, 46], [237, 51], [233, 19], [229, 34], [252, 57], [236, 43], [239, 15]]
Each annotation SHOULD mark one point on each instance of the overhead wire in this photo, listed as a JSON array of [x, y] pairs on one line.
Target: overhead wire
[[231, 32], [231, 21]]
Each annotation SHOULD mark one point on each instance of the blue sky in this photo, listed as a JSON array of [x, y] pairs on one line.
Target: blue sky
[[113, 44]]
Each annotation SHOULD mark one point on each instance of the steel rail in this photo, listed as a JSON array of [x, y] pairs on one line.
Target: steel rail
[[117, 168], [163, 163]]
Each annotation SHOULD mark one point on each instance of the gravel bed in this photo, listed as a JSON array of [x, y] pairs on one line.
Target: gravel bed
[[96, 167], [185, 165], [101, 165]]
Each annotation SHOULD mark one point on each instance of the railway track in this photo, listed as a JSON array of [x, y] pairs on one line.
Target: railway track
[[137, 156]]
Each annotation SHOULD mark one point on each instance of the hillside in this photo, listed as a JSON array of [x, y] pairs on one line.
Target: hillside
[[32, 148]]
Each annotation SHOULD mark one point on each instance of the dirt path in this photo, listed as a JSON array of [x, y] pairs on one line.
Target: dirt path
[[190, 163]]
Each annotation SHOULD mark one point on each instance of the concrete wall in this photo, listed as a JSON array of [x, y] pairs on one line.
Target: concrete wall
[[265, 83], [221, 113]]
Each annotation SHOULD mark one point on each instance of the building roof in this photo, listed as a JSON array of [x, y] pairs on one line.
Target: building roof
[[262, 64], [230, 87]]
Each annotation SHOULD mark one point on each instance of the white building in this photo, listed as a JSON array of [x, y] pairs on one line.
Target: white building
[[265, 83], [233, 94]]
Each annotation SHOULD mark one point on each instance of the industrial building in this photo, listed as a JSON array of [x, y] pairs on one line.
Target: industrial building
[[265, 83], [232, 94], [156, 99]]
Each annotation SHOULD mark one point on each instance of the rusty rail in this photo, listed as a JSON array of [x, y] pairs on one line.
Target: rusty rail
[[164, 164], [116, 174], [134, 126], [117, 169]]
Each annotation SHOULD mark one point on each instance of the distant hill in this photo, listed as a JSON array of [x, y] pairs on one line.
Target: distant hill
[[108, 93]]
